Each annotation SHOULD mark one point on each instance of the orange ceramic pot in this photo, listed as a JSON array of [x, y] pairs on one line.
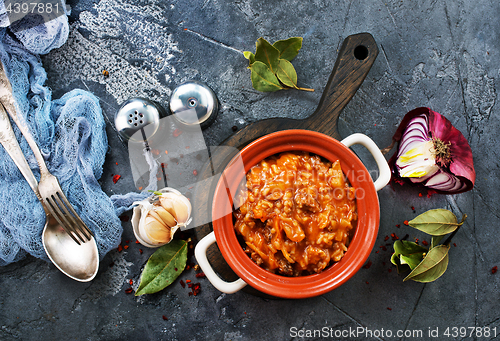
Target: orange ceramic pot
[[360, 246]]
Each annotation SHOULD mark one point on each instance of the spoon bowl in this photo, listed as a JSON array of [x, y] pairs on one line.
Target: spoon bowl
[[79, 262]]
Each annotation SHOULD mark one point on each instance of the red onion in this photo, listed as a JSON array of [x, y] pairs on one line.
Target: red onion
[[432, 153]]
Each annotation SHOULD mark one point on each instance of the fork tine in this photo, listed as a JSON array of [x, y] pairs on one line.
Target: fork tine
[[75, 217], [62, 210], [65, 225]]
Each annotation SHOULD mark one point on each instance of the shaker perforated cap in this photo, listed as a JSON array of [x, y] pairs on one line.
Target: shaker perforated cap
[[137, 114], [194, 103]]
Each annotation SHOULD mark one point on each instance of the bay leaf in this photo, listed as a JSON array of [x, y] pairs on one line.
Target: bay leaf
[[289, 48], [250, 56], [406, 254], [436, 222], [435, 240], [263, 79], [163, 267], [432, 266], [286, 73], [267, 54]]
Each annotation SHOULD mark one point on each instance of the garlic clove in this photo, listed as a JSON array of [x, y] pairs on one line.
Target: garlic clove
[[165, 216], [156, 231], [178, 207], [155, 215]]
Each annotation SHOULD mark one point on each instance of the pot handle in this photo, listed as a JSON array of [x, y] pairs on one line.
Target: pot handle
[[383, 167], [200, 252]]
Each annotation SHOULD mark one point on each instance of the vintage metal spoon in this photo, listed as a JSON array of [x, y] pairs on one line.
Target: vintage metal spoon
[[79, 262]]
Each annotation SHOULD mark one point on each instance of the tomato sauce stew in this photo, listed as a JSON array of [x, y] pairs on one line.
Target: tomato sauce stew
[[296, 215]]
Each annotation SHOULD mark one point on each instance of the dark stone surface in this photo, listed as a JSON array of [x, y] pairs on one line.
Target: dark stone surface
[[440, 54]]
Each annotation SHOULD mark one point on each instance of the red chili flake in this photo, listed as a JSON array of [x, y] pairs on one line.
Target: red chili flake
[[188, 267], [137, 242], [195, 172], [367, 282], [200, 275], [188, 281], [389, 308], [367, 265], [177, 132], [116, 163], [424, 242], [182, 283], [131, 282], [413, 208], [455, 244], [175, 269], [398, 225], [405, 222], [190, 293], [140, 188], [116, 178], [129, 290], [196, 289], [377, 251], [166, 152], [127, 241], [120, 248], [394, 237], [416, 240], [383, 247], [390, 270], [386, 238], [140, 251], [124, 218], [125, 247], [164, 317], [190, 285], [494, 269], [430, 193]]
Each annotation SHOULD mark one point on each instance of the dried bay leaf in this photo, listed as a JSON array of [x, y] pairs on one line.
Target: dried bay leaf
[[263, 79], [288, 48], [432, 266], [407, 255], [436, 222], [163, 267], [250, 56], [267, 54], [286, 73]]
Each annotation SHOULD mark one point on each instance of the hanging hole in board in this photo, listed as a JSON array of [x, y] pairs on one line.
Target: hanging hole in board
[[360, 52]]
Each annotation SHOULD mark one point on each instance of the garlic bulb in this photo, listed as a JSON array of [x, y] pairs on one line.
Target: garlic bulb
[[157, 218]]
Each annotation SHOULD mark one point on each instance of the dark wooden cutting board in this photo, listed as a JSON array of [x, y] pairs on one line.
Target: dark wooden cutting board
[[355, 58]]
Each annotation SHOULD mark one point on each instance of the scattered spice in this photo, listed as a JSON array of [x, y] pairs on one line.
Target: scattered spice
[[367, 282], [120, 248], [455, 244], [196, 267], [386, 238], [164, 317], [177, 132], [424, 242], [116, 163], [182, 283], [389, 308], [116, 178], [129, 290], [195, 172], [175, 269], [394, 237], [131, 282], [140, 251], [398, 225], [166, 152], [494, 269], [105, 73], [390, 270], [420, 194], [383, 247], [405, 222], [367, 265], [137, 242], [188, 281], [125, 247], [200, 275]]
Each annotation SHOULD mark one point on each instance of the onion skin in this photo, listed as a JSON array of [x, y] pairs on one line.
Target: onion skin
[[461, 165]]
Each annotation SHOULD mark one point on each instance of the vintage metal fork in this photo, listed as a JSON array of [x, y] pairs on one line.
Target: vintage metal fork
[[48, 186]]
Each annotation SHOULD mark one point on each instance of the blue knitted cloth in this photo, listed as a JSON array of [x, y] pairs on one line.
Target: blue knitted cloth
[[71, 134]]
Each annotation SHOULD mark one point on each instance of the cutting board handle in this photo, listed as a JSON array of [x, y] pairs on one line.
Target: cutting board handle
[[356, 57]]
